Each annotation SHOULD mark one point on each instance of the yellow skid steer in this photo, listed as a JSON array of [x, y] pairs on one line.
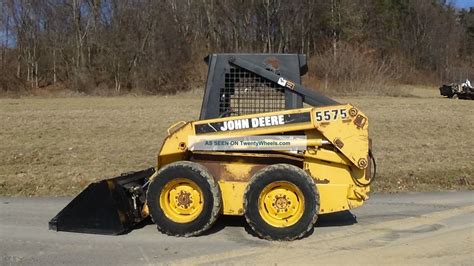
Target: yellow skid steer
[[232, 160]]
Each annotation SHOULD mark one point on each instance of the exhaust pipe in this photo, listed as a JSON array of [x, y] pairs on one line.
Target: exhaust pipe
[[110, 207]]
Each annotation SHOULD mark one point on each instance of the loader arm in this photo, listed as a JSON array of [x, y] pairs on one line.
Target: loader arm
[[344, 126]]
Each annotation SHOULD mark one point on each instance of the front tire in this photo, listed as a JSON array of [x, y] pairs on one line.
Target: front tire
[[281, 203], [183, 199]]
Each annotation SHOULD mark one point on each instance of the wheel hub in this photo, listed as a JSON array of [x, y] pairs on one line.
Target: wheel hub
[[184, 199], [181, 200], [281, 204]]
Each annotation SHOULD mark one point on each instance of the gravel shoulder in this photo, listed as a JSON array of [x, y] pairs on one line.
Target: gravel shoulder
[[404, 228]]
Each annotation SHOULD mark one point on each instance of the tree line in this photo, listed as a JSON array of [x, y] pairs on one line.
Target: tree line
[[119, 46]]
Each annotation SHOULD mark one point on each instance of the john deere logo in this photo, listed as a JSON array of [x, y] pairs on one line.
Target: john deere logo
[[254, 122], [265, 121]]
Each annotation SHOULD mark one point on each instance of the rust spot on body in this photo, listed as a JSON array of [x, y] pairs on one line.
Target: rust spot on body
[[231, 171], [321, 181], [238, 168], [272, 61]]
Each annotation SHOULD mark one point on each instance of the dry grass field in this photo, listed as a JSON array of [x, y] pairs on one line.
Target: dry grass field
[[56, 146]]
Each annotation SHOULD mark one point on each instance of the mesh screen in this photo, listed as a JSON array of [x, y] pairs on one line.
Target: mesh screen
[[247, 93]]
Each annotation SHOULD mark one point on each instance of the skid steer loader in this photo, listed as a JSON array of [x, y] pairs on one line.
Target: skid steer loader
[[280, 192]]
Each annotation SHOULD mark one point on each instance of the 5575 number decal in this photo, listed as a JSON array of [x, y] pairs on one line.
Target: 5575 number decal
[[329, 115]]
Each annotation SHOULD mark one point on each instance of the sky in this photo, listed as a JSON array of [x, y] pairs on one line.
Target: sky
[[464, 3]]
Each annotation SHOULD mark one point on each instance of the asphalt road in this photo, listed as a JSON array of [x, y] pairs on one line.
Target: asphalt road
[[414, 228]]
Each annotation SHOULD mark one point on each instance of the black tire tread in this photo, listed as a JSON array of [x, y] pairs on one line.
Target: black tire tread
[[307, 179], [215, 192]]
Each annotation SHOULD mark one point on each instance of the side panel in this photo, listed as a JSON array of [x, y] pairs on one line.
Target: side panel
[[234, 170], [232, 197], [332, 197], [334, 180]]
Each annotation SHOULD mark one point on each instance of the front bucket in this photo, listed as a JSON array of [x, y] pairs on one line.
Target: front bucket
[[105, 207]]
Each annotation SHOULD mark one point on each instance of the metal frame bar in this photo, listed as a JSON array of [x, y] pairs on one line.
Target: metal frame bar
[[310, 97]]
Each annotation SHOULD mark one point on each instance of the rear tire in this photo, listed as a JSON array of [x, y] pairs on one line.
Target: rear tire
[[183, 199], [281, 203]]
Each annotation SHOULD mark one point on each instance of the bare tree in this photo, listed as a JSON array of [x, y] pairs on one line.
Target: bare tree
[[156, 46]]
